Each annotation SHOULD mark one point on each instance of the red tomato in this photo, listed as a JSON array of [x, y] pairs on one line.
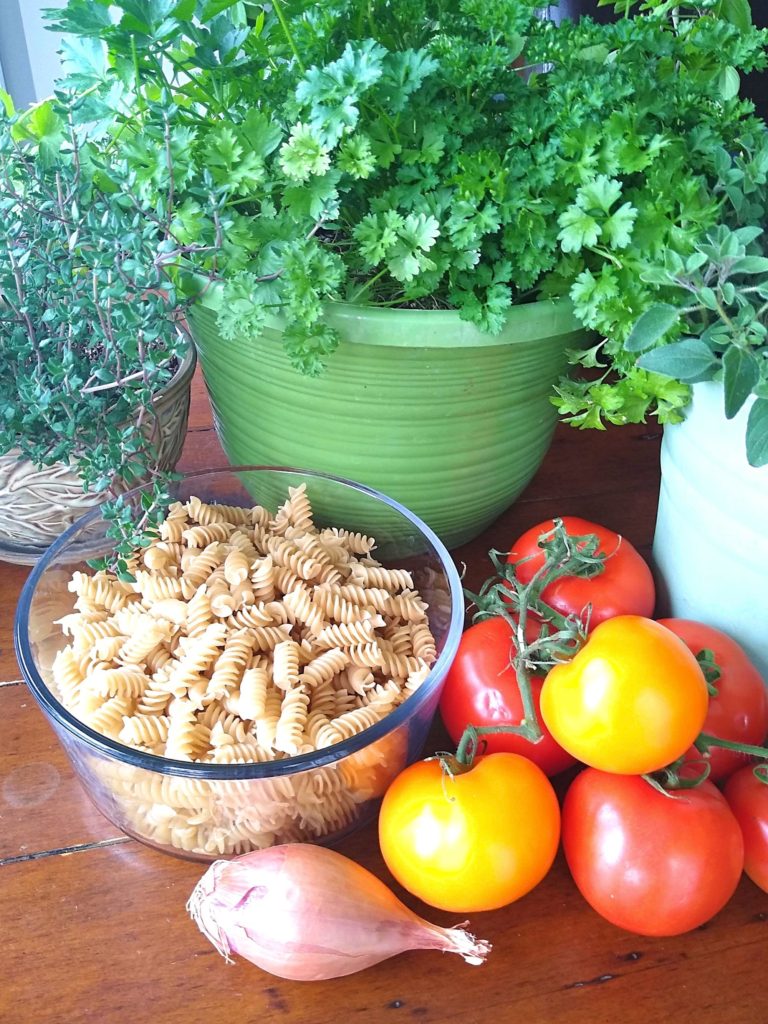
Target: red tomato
[[739, 712], [481, 690], [624, 587], [631, 701], [472, 841], [747, 797], [647, 862]]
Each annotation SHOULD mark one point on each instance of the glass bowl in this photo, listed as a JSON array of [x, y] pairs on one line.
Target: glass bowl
[[204, 811]]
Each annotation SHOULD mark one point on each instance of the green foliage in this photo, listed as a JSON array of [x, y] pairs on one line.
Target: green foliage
[[458, 154], [86, 310]]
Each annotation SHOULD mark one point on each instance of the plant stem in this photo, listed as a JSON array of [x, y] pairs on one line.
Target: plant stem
[[287, 33], [112, 384], [749, 749], [723, 315], [368, 284], [468, 744]]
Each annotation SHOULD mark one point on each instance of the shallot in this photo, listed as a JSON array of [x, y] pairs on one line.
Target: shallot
[[307, 913]]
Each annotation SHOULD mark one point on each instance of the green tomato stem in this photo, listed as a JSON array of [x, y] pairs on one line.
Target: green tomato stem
[[749, 749], [469, 742]]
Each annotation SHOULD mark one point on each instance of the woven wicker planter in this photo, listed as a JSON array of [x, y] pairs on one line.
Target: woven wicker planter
[[37, 505]]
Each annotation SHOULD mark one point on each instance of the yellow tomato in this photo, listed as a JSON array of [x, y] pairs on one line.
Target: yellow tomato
[[472, 841], [631, 701]]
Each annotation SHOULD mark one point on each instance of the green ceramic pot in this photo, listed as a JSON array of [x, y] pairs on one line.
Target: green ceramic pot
[[419, 404]]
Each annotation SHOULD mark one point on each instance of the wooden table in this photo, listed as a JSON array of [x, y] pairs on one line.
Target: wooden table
[[94, 924]]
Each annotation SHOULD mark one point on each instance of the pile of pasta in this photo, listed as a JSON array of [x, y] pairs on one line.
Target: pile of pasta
[[246, 637]]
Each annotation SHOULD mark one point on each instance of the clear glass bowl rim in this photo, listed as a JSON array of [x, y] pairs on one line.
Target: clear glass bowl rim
[[262, 769]]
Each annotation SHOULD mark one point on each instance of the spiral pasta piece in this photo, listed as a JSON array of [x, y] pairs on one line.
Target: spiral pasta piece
[[172, 527], [263, 579], [186, 736], [215, 716], [171, 610], [68, 675], [406, 606], [378, 576], [126, 681], [252, 698], [240, 753], [108, 718], [237, 567], [155, 588], [206, 513], [266, 638], [199, 568], [144, 730], [98, 592], [355, 542], [157, 559], [107, 648], [256, 615], [353, 722], [199, 613], [332, 606], [202, 536], [285, 580], [199, 655], [266, 726], [244, 544], [230, 665], [289, 730], [423, 642], [154, 700], [136, 648], [304, 611], [285, 665], [325, 666], [287, 555], [348, 634]]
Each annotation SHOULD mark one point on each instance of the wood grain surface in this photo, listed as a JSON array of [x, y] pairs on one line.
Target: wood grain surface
[[94, 924]]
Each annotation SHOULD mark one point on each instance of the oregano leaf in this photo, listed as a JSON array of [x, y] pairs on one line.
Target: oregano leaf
[[651, 326], [757, 433], [689, 360], [741, 372]]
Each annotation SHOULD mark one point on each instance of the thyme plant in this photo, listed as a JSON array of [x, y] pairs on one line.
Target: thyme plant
[[87, 332]]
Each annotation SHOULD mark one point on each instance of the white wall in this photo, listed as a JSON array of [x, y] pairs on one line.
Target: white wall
[[29, 63]]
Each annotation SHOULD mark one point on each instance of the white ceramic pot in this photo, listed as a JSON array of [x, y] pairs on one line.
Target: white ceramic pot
[[710, 549]]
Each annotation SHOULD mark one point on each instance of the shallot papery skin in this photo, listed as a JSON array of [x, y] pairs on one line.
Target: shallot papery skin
[[307, 913]]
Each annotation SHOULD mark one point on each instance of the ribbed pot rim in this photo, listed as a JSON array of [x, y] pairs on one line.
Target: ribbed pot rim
[[182, 376], [430, 328]]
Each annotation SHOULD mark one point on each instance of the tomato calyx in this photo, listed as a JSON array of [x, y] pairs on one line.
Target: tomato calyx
[[564, 556], [710, 668], [470, 745], [669, 780], [679, 774]]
